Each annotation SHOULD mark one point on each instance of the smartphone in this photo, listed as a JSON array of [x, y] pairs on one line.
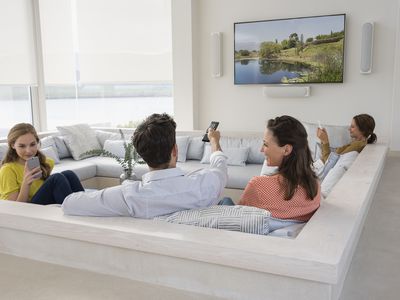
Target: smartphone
[[33, 163], [214, 126], [319, 124]]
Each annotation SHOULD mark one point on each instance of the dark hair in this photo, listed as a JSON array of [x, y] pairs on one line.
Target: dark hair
[[15, 132], [296, 167], [154, 139], [366, 124]]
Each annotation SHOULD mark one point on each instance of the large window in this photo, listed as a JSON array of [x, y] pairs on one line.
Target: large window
[[109, 66], [17, 63], [15, 107]]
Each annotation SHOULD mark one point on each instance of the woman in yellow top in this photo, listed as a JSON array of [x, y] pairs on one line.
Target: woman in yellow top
[[19, 183], [361, 132]]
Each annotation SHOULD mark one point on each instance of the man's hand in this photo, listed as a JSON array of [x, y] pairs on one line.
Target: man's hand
[[214, 137]]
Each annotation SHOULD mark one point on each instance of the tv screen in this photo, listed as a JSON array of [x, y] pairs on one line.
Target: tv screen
[[290, 51]]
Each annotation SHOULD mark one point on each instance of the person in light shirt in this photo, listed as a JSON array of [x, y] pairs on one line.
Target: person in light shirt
[[165, 189]]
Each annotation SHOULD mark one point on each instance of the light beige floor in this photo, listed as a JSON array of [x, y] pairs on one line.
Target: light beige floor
[[374, 272]]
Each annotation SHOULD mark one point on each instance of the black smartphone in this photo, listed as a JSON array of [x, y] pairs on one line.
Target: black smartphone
[[214, 126]]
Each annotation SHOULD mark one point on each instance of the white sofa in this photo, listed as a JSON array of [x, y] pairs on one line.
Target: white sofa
[[230, 265], [100, 172]]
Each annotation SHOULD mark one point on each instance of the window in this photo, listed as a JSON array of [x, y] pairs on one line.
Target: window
[[17, 61], [15, 103], [109, 66]]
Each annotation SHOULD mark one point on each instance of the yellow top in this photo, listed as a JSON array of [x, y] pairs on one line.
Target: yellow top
[[353, 146], [11, 176]]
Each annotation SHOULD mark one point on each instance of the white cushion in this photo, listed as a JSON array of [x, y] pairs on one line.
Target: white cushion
[[115, 147], [334, 175], [338, 136], [236, 156], [235, 218], [255, 155], [62, 149], [183, 143], [3, 150], [102, 136], [195, 148], [79, 139], [52, 153], [329, 164]]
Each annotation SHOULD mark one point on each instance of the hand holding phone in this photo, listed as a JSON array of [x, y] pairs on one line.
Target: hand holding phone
[[34, 163], [213, 125]]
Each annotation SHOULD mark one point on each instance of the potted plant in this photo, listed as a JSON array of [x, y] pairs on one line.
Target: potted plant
[[127, 162]]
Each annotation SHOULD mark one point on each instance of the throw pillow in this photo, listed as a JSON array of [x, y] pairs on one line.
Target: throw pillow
[[334, 175], [195, 148], [115, 147], [255, 156], [79, 139], [183, 143], [338, 136], [3, 150], [235, 218], [52, 153], [102, 136], [329, 164], [62, 149], [236, 156]]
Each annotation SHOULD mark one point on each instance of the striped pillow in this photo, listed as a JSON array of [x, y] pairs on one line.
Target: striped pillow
[[235, 218]]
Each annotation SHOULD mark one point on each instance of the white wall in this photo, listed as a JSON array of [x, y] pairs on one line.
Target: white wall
[[243, 107]]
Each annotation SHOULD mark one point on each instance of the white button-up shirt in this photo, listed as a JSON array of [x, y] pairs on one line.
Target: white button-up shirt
[[160, 192]]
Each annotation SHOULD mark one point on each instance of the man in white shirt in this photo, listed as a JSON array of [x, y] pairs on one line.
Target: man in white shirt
[[163, 190]]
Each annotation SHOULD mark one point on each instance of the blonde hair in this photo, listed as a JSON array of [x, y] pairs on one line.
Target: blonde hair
[[15, 132]]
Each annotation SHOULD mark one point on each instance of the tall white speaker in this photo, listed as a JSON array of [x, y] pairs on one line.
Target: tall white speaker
[[367, 45], [216, 54]]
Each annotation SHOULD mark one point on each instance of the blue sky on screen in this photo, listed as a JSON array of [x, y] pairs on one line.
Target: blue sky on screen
[[249, 35]]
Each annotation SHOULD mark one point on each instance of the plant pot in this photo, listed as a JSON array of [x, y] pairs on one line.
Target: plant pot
[[124, 176]]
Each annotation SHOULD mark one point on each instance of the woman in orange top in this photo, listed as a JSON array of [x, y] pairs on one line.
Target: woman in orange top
[[292, 195]]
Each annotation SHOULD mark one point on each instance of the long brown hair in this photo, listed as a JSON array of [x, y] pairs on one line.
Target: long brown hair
[[18, 130], [366, 124], [296, 167]]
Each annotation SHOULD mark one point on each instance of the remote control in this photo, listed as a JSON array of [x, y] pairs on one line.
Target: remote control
[[214, 126]]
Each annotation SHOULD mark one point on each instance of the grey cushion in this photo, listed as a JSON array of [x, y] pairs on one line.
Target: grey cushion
[[255, 155], [62, 149], [79, 139], [3, 150], [52, 153], [102, 136], [183, 144], [338, 136], [235, 218], [195, 148], [84, 169], [109, 167], [236, 156]]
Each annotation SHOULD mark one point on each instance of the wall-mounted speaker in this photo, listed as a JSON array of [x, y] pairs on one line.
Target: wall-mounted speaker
[[287, 91], [216, 54], [367, 45]]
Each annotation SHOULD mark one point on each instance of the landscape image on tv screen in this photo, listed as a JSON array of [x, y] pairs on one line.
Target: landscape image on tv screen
[[290, 51]]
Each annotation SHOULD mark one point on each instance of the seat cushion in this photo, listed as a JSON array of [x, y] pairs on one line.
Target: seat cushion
[[84, 169]]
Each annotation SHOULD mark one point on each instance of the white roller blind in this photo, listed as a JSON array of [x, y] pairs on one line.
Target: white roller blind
[[124, 40], [17, 52], [57, 29]]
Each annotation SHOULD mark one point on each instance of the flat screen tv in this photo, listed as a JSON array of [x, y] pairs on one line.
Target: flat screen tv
[[290, 51]]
